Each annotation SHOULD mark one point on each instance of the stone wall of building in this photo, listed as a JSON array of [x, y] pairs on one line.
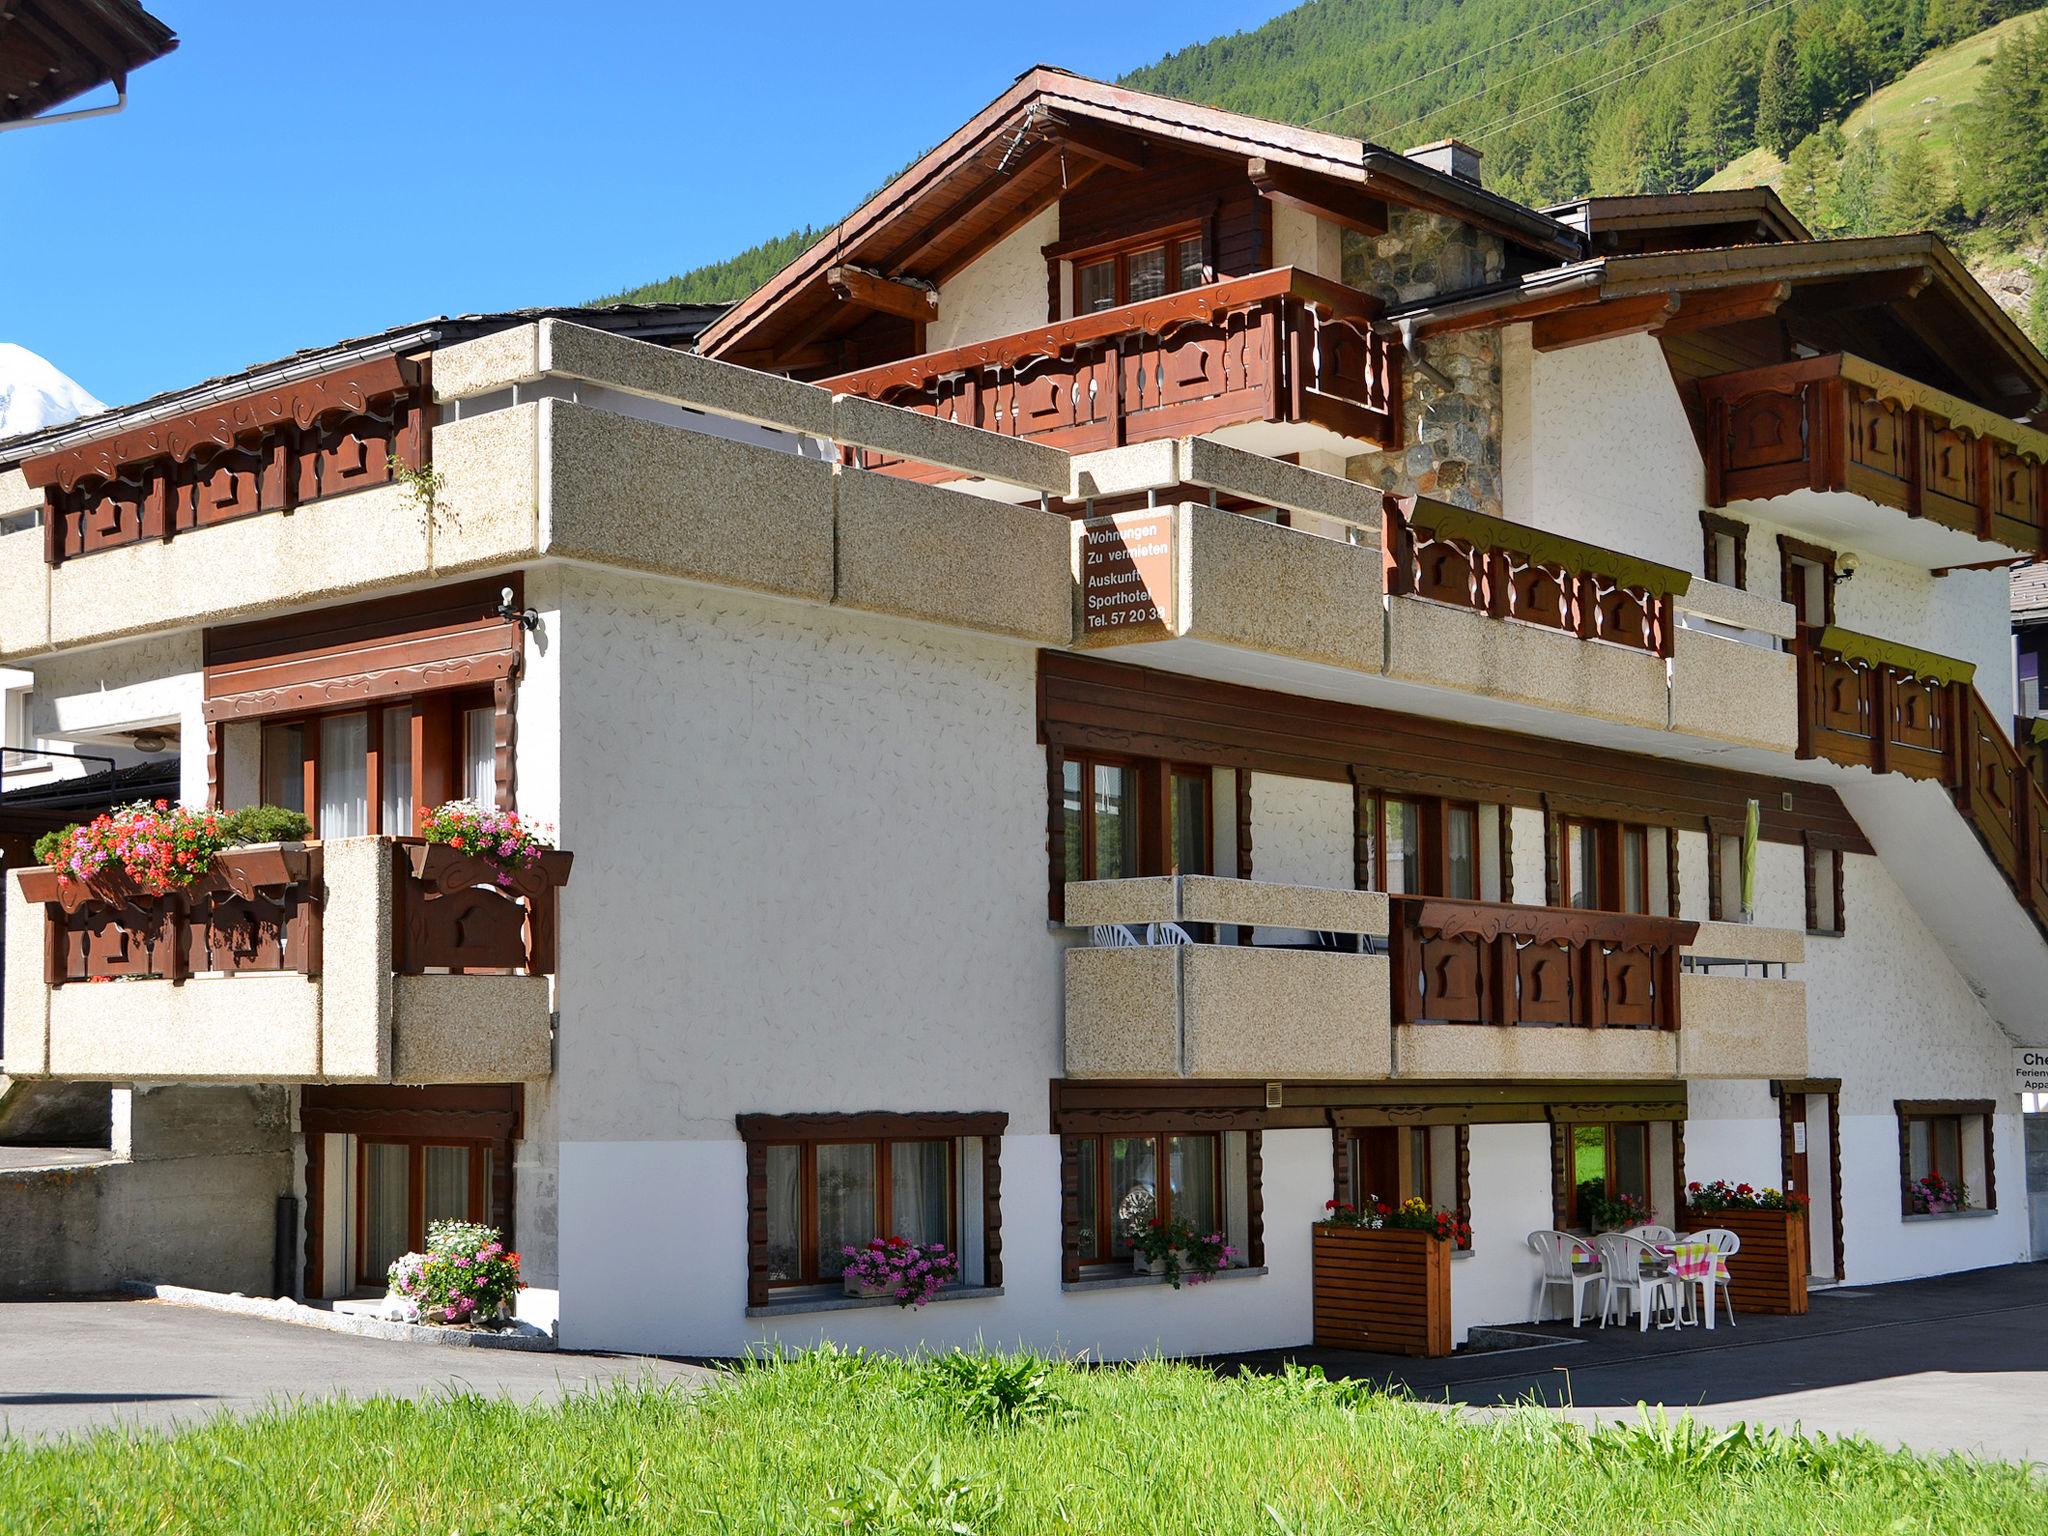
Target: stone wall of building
[[1453, 436]]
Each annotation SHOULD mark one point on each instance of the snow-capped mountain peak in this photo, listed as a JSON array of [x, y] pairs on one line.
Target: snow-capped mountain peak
[[34, 394]]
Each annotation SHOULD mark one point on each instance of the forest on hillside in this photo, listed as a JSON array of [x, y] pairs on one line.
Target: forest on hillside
[[1614, 96]]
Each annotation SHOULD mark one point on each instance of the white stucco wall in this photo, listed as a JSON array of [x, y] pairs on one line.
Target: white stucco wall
[[88, 697], [1002, 290], [1301, 831]]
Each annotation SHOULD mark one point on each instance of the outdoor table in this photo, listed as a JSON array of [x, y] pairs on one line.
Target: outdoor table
[[1697, 1264]]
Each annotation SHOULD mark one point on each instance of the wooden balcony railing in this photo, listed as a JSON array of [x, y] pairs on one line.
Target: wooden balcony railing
[[1283, 345], [1452, 555], [1486, 962], [1838, 423], [1867, 703], [260, 909], [266, 452]]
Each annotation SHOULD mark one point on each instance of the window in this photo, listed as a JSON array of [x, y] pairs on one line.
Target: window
[[1949, 1141], [1429, 847], [1193, 830], [1614, 866], [1120, 1182], [14, 730], [1726, 554], [356, 772], [1101, 809], [1823, 887], [1146, 268], [819, 1184], [404, 1187], [1605, 1160], [1724, 873], [1392, 1163], [1806, 574]]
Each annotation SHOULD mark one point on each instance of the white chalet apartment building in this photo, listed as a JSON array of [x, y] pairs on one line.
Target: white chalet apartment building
[[1136, 522]]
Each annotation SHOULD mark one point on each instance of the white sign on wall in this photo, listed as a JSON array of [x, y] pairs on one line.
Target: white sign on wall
[[2030, 1069]]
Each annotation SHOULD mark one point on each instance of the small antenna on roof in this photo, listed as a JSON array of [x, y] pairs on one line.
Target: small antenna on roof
[[1030, 116]]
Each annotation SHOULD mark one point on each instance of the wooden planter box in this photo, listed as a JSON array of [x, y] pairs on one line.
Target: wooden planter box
[[1769, 1274], [1385, 1291]]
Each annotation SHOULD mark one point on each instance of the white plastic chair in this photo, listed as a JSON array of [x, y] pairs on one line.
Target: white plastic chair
[[1649, 1232], [1168, 933], [1725, 1245], [1556, 1250], [1623, 1258], [1112, 936]]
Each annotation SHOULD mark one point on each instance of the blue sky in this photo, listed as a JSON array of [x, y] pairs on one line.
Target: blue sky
[[299, 173]]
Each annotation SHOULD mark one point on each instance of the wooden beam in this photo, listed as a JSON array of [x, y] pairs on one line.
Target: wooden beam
[[1603, 321], [1707, 308], [890, 295], [1099, 141], [1322, 196], [1865, 292]]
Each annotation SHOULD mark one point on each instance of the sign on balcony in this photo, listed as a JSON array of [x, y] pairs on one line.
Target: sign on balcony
[[1127, 565]]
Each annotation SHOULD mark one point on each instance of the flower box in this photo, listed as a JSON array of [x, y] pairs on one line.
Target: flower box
[[1384, 1289], [854, 1286], [1769, 1273]]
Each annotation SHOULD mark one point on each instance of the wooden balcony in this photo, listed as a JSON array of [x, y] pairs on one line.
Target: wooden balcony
[[363, 960], [1279, 346], [1864, 702], [1489, 962], [1451, 555], [1840, 424]]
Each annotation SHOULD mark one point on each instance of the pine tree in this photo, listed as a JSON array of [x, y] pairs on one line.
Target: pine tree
[[2037, 304], [1912, 197], [1779, 120], [1823, 76], [1614, 162], [1856, 197], [1717, 119], [2004, 138]]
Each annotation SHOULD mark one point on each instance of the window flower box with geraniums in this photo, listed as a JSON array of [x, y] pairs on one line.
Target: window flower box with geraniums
[[1177, 1252], [897, 1268], [1382, 1276], [462, 839], [1933, 1195], [466, 1278], [1767, 1273], [1613, 1213]]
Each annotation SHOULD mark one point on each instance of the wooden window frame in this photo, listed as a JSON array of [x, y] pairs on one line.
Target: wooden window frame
[[1433, 859], [1153, 782], [1719, 829], [808, 1273], [1811, 846], [1094, 1125], [416, 1189], [1169, 236], [437, 751], [1565, 1196], [1161, 1159], [1790, 549], [1713, 525], [1959, 1110], [1609, 872], [1343, 1163], [882, 1129]]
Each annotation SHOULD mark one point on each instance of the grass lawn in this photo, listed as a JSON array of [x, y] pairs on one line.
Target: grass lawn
[[834, 1442]]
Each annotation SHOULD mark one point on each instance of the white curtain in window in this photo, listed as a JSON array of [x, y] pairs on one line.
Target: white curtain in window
[[447, 1176], [785, 1211], [396, 810], [386, 1187], [344, 776], [846, 1202], [284, 773], [480, 755], [920, 1190], [969, 1244]]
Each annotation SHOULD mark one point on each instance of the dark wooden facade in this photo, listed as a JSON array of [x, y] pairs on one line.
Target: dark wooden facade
[[1769, 1273], [1387, 1290]]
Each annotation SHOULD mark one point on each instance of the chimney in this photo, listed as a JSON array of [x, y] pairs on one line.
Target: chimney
[[1453, 157]]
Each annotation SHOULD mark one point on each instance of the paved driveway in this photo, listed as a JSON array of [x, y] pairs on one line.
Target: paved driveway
[[1958, 1363], [77, 1365]]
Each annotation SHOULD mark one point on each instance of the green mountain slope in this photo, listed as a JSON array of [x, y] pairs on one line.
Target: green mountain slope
[[1610, 96]]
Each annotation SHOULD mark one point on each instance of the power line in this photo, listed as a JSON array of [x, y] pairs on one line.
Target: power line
[[1622, 74], [1453, 64], [1497, 85]]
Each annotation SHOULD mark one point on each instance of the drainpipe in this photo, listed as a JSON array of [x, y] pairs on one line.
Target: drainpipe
[[1411, 348]]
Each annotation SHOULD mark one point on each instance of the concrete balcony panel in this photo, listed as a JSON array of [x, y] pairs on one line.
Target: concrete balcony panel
[[924, 553], [24, 593], [1741, 1026], [1726, 690], [1493, 1052], [677, 503], [1442, 646], [488, 511], [1225, 1011]]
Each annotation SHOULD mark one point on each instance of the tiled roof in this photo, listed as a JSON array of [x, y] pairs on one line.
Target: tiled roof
[[2030, 589]]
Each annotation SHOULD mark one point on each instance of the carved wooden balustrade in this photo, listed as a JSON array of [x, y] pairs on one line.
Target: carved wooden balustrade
[[1868, 703], [1838, 423], [264, 452], [1283, 345], [1488, 962], [255, 909], [260, 909], [1452, 555], [457, 913]]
